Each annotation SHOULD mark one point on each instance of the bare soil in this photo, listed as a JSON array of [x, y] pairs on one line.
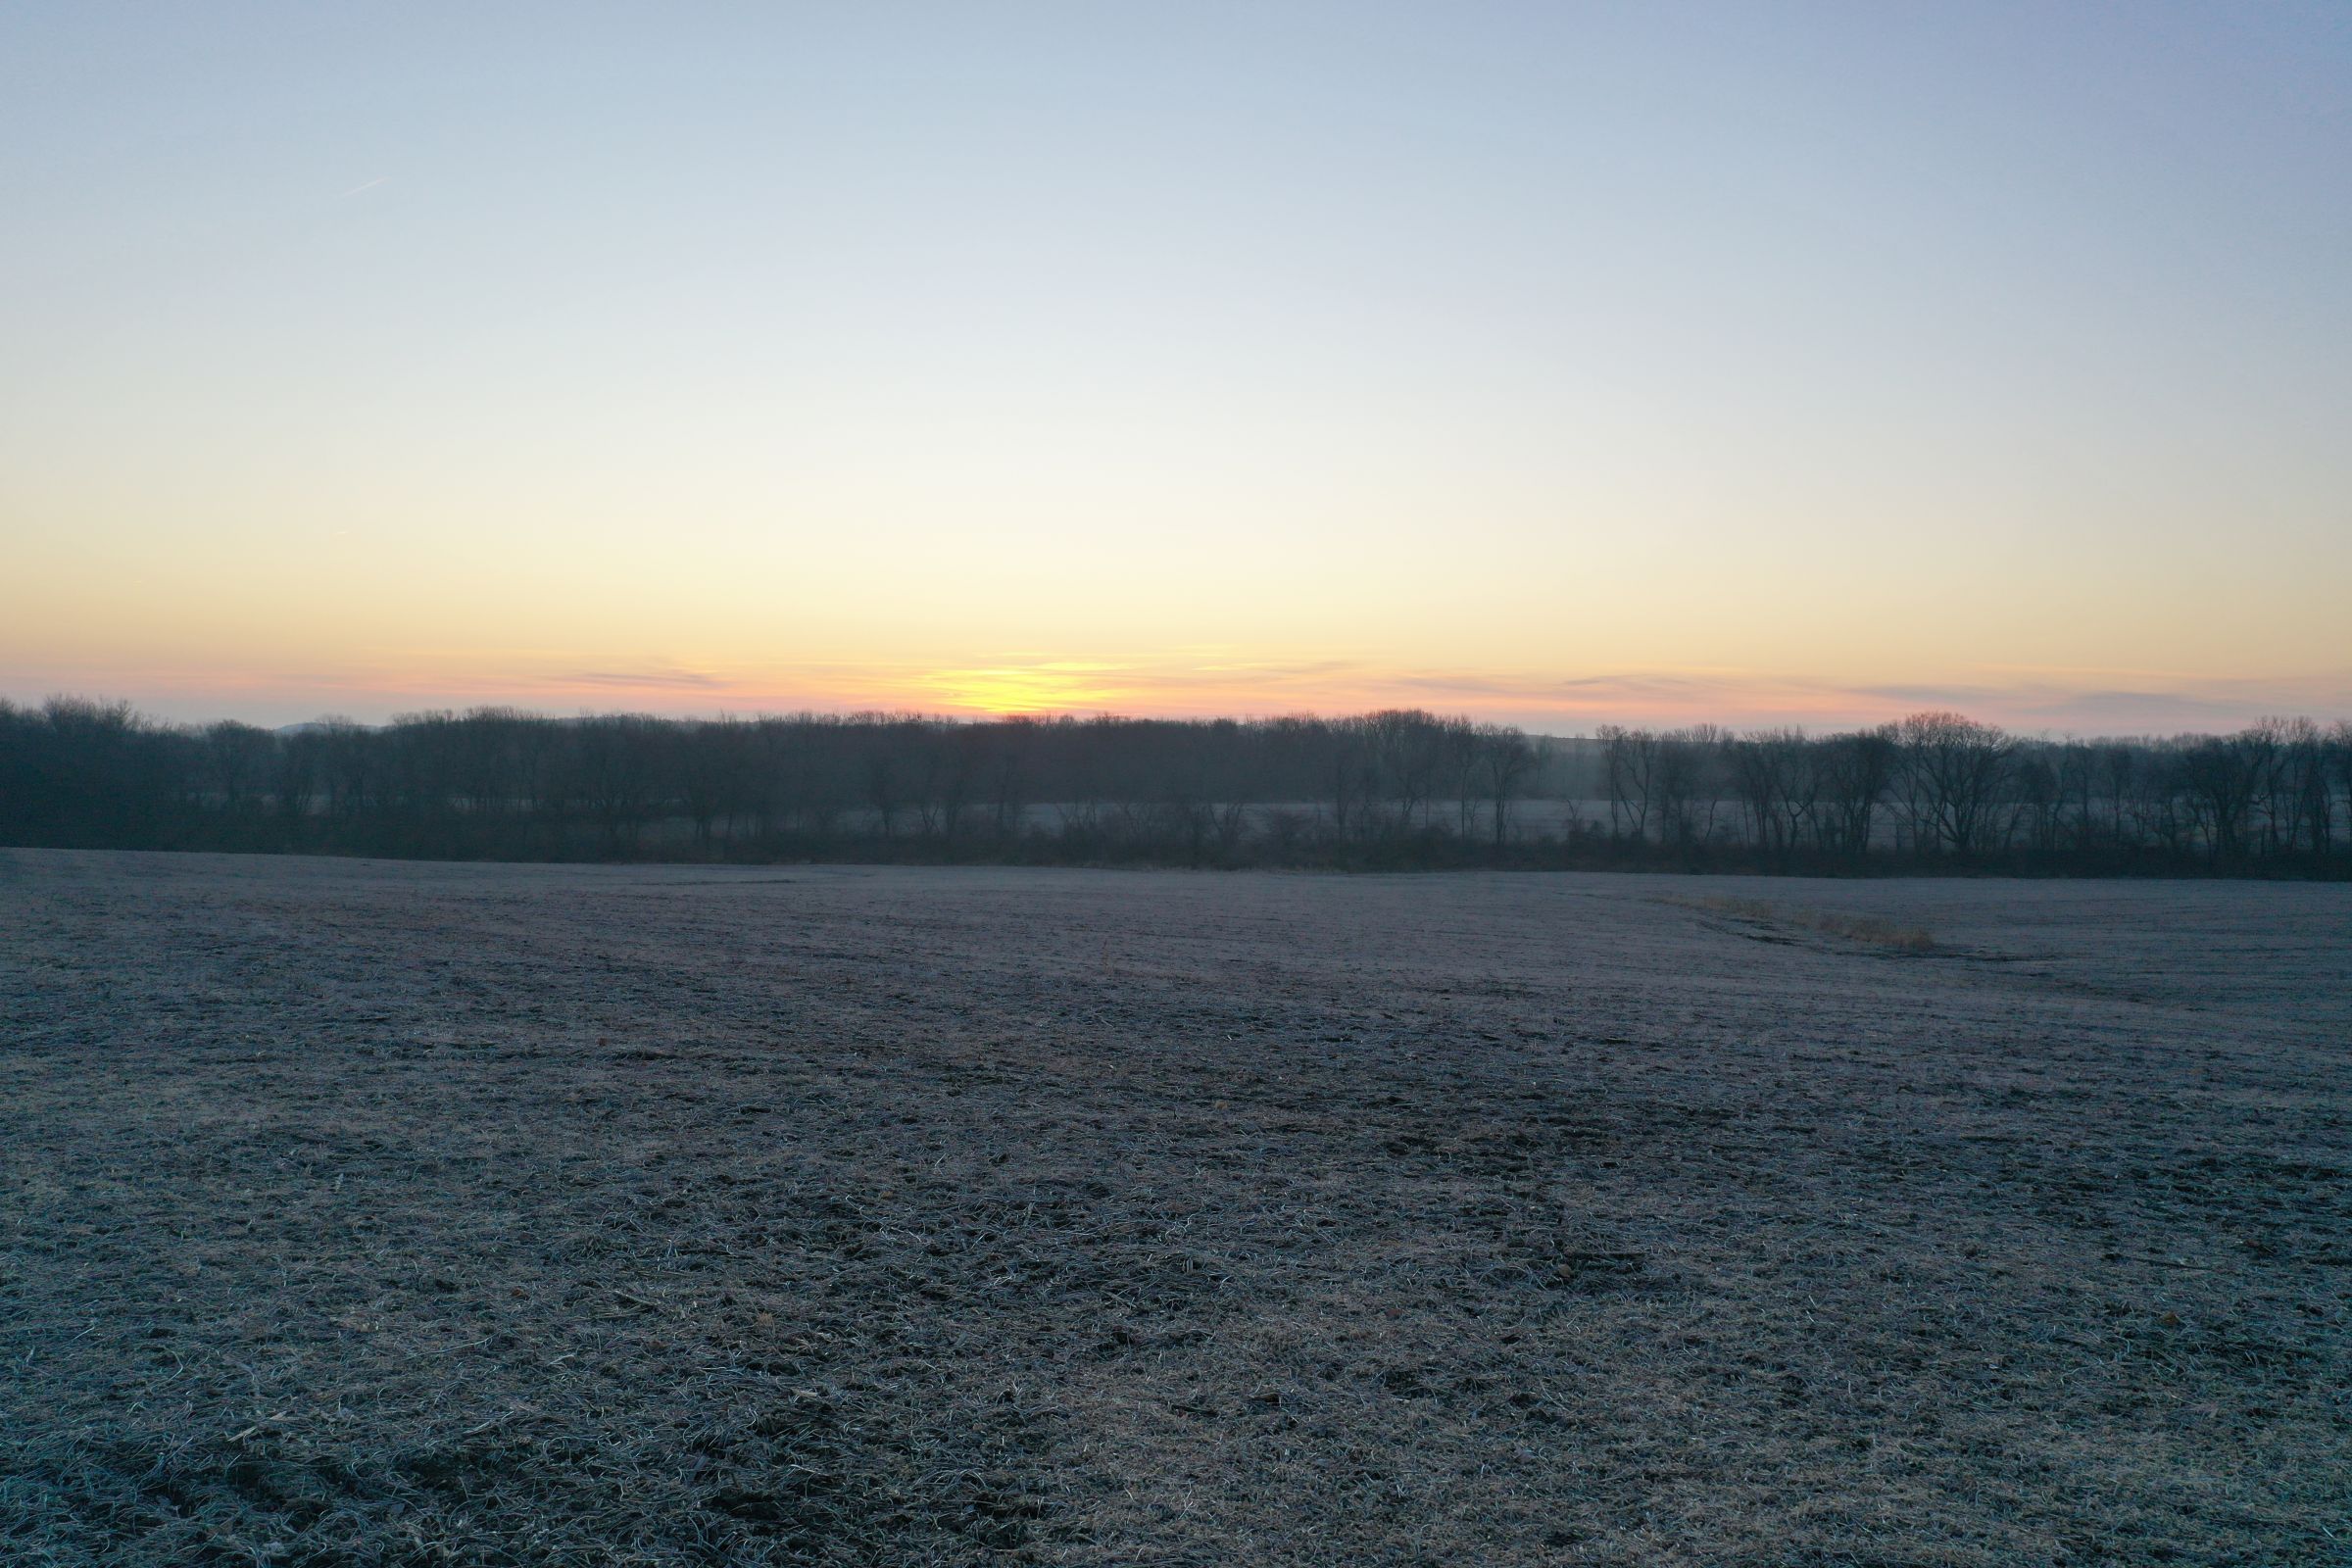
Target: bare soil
[[363, 1213]]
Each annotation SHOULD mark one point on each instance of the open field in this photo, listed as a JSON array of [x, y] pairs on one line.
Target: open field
[[363, 1213]]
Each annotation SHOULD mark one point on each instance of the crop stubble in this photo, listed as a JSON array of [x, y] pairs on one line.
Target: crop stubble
[[367, 1214]]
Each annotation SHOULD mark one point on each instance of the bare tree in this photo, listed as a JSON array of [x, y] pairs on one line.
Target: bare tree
[[1857, 770], [701, 762], [1503, 760], [1681, 776], [2221, 776], [239, 759], [1779, 785], [1958, 768], [1629, 760]]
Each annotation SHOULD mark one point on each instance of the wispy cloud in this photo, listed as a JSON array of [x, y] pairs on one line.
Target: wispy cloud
[[656, 679]]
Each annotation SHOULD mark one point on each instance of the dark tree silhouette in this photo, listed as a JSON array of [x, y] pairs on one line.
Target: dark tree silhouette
[[1397, 788]]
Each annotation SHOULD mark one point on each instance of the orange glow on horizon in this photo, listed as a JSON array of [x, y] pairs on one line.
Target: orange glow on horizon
[[2057, 700]]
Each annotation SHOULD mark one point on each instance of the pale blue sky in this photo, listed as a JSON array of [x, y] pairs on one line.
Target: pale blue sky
[[1487, 356]]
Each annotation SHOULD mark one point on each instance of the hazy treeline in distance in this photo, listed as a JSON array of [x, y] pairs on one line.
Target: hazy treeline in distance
[[1398, 788]]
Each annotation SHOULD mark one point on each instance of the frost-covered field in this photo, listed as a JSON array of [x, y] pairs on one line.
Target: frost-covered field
[[398, 1213]]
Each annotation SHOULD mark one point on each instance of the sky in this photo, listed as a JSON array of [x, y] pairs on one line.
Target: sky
[[1552, 362]]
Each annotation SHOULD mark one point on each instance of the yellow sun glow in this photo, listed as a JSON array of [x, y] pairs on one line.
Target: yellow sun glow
[[1049, 688]]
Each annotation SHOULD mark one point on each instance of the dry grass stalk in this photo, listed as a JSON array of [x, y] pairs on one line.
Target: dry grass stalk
[[1868, 928]]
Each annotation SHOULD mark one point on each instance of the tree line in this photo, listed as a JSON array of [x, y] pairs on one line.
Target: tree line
[[1401, 788], [1941, 788]]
